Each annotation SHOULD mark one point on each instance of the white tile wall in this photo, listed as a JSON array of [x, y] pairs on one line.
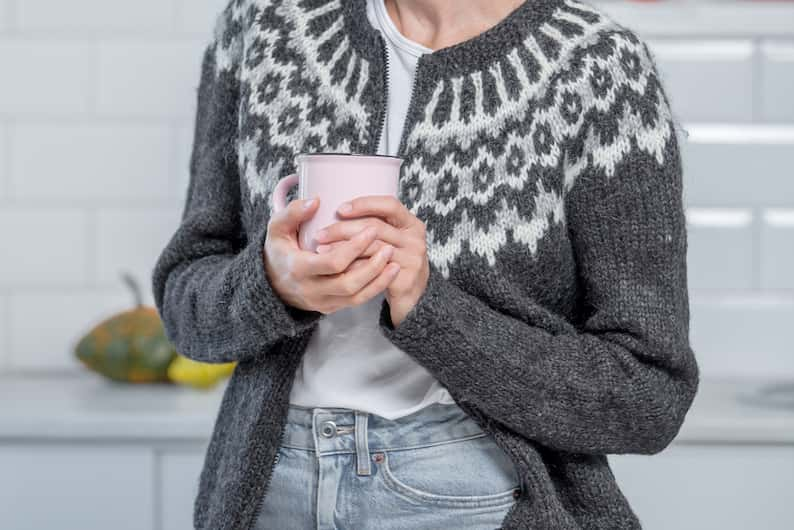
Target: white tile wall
[[739, 165], [97, 106], [183, 145], [5, 338], [777, 81], [45, 325], [96, 123], [155, 78], [92, 160], [43, 246], [743, 333], [101, 15], [46, 77], [130, 240], [5, 16], [720, 253], [777, 249], [5, 161], [195, 16], [707, 80]]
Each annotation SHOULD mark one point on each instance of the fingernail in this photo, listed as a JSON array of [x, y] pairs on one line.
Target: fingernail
[[346, 207], [321, 234], [323, 248], [308, 204], [387, 251]]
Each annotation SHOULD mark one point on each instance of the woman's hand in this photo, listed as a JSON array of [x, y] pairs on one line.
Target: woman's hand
[[394, 225], [322, 282]]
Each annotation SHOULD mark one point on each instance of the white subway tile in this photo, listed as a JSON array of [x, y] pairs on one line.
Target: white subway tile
[[777, 249], [5, 15], [92, 161], [42, 247], [5, 162], [182, 151], [155, 78], [46, 325], [131, 240], [736, 335], [47, 77], [707, 80], [720, 250], [777, 81], [4, 336], [198, 16], [93, 14], [739, 165]]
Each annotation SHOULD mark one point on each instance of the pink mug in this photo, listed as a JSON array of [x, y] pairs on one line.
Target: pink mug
[[336, 178]]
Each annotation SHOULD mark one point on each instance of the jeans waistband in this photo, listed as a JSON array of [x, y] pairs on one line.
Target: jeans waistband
[[331, 430]]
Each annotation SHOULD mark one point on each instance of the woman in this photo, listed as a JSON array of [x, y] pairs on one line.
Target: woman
[[532, 309]]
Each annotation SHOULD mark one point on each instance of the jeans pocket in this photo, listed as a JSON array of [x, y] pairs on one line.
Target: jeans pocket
[[473, 472]]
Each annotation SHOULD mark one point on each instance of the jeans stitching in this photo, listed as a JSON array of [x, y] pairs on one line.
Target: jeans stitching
[[461, 501]]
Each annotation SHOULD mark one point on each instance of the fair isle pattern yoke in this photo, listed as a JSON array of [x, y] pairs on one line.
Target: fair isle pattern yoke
[[481, 138], [541, 157]]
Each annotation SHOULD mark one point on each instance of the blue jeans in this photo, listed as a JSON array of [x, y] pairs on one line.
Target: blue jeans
[[345, 469]]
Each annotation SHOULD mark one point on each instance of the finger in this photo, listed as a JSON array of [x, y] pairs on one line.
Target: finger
[[376, 286], [286, 222], [387, 207], [313, 264], [351, 281], [370, 250], [347, 228], [360, 262]]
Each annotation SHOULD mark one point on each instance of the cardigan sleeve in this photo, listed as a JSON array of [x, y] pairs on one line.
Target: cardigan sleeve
[[622, 379], [209, 282]]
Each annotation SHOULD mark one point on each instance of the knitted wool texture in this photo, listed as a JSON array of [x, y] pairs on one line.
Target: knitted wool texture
[[541, 156]]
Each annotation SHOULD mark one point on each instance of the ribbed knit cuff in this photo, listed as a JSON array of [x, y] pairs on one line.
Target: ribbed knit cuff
[[431, 306], [266, 306]]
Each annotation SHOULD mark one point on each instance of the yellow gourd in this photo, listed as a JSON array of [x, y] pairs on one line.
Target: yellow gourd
[[196, 374]]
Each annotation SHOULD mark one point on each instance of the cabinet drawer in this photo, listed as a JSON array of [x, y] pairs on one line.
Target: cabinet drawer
[[179, 476], [87, 487]]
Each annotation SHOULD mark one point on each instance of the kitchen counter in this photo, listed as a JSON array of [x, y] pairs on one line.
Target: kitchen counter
[[739, 18], [85, 406]]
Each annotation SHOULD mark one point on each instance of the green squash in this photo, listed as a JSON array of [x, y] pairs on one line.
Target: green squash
[[130, 346]]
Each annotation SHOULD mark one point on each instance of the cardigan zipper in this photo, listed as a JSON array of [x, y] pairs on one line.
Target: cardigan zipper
[[385, 96], [261, 500], [382, 122], [385, 100]]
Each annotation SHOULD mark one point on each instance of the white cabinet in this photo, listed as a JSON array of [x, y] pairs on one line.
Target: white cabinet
[[178, 478], [75, 486], [730, 487], [92, 486]]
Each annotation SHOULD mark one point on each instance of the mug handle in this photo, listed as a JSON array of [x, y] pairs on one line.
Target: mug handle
[[280, 191]]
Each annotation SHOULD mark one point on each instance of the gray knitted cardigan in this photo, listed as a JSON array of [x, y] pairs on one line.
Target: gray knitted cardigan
[[542, 157]]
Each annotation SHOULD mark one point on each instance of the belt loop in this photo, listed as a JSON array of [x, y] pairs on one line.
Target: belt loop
[[362, 444]]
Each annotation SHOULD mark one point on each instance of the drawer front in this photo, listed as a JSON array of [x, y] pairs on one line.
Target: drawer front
[[86, 487]]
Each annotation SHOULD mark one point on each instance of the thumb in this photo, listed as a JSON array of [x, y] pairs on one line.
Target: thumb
[[288, 220]]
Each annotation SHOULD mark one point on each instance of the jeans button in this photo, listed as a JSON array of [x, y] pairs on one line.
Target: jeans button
[[328, 429]]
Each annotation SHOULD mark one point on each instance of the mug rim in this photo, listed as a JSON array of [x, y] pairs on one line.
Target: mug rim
[[329, 153]]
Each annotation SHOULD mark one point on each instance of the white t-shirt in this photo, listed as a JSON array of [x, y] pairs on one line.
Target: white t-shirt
[[348, 362]]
